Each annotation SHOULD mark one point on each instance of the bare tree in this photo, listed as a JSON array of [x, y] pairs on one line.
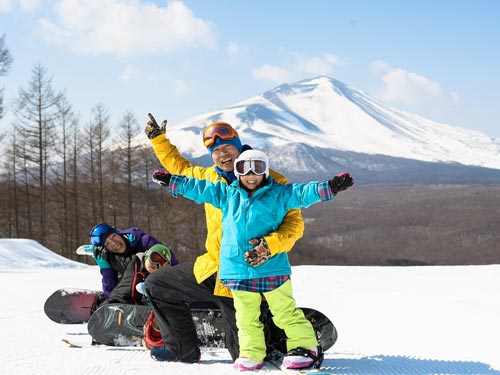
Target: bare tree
[[36, 109], [5, 62], [10, 202], [62, 171], [75, 154], [98, 133], [129, 128]]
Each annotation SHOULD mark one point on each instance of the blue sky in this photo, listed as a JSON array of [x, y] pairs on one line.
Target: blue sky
[[436, 58]]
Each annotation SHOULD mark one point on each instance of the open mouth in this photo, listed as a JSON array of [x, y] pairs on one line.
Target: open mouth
[[225, 162]]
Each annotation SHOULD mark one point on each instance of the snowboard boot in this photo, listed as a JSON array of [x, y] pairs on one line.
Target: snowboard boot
[[162, 354], [300, 358], [99, 300], [247, 364]]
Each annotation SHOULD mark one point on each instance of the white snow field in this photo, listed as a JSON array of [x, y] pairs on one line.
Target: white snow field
[[391, 320]]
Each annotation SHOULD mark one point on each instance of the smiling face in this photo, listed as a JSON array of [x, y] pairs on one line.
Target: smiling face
[[224, 157], [251, 181], [115, 243]]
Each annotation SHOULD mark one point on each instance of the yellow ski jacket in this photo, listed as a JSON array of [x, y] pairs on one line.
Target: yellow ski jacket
[[290, 230]]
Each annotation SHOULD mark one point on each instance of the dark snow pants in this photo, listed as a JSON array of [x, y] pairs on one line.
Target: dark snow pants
[[169, 290]]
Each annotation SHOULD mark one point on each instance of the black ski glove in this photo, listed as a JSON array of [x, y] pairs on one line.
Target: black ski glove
[[259, 254], [341, 182], [162, 177], [152, 129]]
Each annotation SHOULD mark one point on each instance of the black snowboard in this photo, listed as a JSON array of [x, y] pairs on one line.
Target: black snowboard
[[122, 325], [70, 306], [326, 333], [118, 324]]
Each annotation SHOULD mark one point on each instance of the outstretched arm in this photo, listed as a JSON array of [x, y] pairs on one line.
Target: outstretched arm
[[167, 153], [199, 191]]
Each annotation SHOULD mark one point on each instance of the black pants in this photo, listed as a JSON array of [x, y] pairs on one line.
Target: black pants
[[169, 290]]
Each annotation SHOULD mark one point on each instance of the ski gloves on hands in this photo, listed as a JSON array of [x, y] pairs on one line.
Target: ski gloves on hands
[[161, 177], [341, 182], [259, 254], [97, 255], [152, 128]]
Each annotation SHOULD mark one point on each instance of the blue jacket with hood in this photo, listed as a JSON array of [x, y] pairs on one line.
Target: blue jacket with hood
[[247, 217]]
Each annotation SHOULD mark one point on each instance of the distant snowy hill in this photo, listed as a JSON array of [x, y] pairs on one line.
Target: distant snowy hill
[[322, 125], [23, 253]]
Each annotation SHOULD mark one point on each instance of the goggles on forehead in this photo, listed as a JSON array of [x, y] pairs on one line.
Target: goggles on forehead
[[219, 129], [257, 166], [158, 259]]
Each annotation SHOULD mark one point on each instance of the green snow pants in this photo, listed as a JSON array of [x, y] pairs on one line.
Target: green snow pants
[[298, 329]]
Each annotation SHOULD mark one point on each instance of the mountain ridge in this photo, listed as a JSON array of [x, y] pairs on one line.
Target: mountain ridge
[[339, 126]]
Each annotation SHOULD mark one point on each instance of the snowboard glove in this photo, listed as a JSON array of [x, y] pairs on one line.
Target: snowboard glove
[[162, 177], [101, 262], [152, 128], [341, 182], [259, 254]]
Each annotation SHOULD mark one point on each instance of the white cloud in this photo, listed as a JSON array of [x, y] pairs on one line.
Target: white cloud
[[233, 49], [272, 73], [379, 66], [5, 6], [455, 98], [130, 73], [299, 67], [304, 66], [29, 5], [180, 87], [409, 87], [126, 27]]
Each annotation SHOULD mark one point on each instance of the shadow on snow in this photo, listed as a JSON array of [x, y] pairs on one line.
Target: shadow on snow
[[400, 365]]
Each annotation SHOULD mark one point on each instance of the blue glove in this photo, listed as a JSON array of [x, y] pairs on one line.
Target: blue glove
[[101, 262]]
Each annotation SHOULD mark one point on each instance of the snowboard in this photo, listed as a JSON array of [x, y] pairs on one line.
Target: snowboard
[[122, 325], [117, 324], [326, 333], [70, 306]]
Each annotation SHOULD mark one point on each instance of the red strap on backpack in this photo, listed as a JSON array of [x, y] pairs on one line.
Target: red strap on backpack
[[152, 334]]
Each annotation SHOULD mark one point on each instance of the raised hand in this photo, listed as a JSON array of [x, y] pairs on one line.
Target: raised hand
[[152, 128], [101, 262]]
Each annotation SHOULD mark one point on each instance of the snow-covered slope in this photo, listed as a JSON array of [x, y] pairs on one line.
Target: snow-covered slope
[[391, 320], [325, 113]]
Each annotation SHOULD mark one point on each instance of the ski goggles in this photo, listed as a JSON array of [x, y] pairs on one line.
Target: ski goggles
[[158, 259], [257, 166], [218, 129]]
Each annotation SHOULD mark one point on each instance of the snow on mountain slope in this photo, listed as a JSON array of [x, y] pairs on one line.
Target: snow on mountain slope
[[325, 113]]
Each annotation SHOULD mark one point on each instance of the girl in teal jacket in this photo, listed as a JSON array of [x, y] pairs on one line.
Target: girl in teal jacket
[[253, 206]]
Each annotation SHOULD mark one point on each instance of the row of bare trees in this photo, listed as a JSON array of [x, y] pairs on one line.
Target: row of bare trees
[[60, 176]]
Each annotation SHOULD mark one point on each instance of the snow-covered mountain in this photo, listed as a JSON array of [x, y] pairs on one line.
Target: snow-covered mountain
[[319, 125]]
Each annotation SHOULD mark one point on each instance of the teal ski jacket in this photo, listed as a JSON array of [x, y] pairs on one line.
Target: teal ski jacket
[[247, 217]]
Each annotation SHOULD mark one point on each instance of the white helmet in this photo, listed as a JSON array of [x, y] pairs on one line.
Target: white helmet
[[251, 160]]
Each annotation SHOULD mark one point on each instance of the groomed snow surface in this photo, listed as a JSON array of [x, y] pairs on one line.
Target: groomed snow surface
[[391, 320]]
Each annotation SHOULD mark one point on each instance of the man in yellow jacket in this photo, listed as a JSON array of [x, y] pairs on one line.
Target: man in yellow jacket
[[171, 287]]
